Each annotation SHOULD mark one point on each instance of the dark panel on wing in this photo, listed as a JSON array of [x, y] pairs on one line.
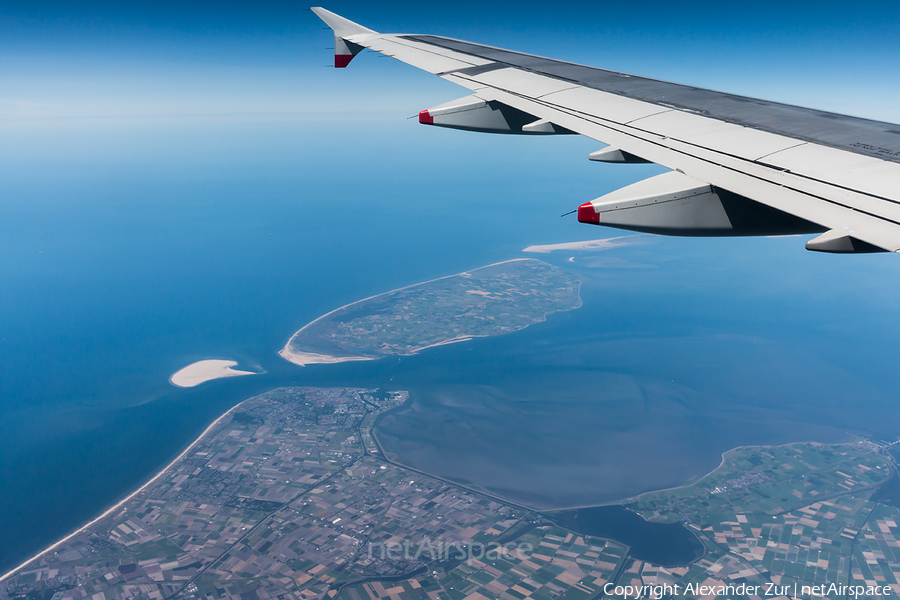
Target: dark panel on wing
[[861, 136]]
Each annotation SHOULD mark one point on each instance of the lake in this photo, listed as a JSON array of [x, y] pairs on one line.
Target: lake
[[665, 544]]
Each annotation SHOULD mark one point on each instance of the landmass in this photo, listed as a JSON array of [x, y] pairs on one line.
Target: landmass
[[288, 495], [492, 300], [206, 370], [589, 245], [792, 516]]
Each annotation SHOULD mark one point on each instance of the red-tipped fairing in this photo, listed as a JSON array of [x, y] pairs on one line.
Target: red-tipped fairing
[[587, 214]]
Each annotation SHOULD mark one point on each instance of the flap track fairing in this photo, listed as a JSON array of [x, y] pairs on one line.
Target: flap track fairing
[[675, 204], [473, 113]]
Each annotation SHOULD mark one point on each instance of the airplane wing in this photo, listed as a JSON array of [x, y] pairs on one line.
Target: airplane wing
[[739, 166]]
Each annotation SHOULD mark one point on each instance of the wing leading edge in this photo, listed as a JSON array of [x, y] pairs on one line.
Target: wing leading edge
[[740, 166]]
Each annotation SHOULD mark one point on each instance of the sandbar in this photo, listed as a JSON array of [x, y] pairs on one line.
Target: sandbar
[[604, 244], [312, 358], [205, 370]]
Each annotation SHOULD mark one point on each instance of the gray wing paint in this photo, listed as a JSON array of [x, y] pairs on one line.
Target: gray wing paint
[[804, 170], [861, 136]]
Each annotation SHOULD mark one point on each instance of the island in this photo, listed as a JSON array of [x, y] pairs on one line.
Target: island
[[205, 370], [492, 300]]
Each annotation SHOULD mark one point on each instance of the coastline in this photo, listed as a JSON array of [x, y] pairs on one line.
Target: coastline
[[721, 464], [287, 353], [108, 512], [387, 457]]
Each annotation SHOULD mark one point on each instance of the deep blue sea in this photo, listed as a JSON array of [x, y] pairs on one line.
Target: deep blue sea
[[128, 251]]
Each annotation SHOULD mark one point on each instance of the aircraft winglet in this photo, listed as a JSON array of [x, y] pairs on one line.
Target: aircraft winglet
[[344, 49]]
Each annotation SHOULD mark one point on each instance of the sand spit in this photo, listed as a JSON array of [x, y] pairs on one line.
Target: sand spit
[[604, 244], [311, 358]]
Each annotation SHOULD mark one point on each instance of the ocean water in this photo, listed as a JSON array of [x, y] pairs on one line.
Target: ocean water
[[129, 249], [129, 252]]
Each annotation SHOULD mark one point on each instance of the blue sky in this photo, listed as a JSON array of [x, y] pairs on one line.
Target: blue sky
[[167, 60]]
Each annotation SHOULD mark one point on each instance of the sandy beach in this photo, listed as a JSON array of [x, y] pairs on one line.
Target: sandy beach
[[205, 370], [456, 340], [311, 358], [111, 510]]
